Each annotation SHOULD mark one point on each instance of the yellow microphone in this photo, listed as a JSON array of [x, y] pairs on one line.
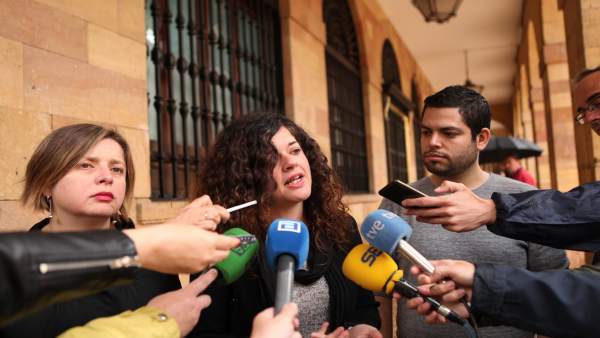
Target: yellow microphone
[[372, 269], [375, 270]]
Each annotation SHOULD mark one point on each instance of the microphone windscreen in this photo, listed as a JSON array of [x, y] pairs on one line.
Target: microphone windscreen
[[371, 268], [236, 263], [286, 236], [384, 229]]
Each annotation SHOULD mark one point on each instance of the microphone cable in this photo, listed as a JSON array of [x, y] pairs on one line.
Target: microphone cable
[[472, 321], [410, 291]]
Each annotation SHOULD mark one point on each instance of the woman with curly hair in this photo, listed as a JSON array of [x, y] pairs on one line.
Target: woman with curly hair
[[268, 158]]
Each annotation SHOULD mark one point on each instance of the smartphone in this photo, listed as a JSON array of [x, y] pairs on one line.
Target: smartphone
[[397, 191]]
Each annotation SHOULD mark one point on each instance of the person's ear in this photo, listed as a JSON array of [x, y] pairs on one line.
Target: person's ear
[[483, 138]]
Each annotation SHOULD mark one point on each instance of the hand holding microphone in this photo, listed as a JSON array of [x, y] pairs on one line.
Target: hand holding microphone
[[283, 325], [239, 258], [375, 270], [286, 250], [203, 213], [389, 233], [460, 273]]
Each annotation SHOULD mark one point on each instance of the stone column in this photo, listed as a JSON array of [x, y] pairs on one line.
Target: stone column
[[536, 100], [304, 75], [582, 25], [557, 98]]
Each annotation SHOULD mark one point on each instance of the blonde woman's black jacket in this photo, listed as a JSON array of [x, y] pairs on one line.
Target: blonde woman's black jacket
[[23, 286], [58, 317]]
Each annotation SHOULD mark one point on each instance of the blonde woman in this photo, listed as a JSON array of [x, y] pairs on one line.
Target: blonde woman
[[83, 175]]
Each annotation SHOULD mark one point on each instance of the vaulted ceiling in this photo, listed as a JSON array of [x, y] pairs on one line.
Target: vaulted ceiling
[[488, 30]]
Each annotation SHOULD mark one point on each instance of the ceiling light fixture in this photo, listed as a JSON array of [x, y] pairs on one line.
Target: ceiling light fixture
[[439, 11], [468, 83]]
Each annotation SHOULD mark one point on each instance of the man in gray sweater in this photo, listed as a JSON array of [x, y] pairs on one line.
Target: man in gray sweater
[[454, 128]]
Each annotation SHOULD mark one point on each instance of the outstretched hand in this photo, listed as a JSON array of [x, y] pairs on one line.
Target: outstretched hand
[[459, 210], [451, 281], [283, 325], [186, 304], [179, 248], [340, 332], [203, 213]]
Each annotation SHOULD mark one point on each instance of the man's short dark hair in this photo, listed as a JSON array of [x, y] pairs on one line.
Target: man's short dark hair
[[473, 107]]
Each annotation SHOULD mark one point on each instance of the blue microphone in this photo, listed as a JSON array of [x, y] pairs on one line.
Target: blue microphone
[[286, 250], [389, 233], [384, 230]]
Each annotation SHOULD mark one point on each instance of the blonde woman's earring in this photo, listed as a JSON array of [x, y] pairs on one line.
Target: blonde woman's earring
[[49, 202]]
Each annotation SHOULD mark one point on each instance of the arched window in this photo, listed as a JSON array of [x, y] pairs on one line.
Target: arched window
[[396, 116], [346, 116]]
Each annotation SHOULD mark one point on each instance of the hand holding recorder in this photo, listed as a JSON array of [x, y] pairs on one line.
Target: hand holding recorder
[[398, 191]]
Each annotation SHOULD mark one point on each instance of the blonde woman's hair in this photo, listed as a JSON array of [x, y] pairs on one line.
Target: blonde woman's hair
[[60, 151]]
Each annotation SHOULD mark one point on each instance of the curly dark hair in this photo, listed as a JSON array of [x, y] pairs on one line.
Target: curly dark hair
[[239, 167]]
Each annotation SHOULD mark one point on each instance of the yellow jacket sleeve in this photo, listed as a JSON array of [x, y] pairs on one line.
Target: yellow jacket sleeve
[[143, 322]]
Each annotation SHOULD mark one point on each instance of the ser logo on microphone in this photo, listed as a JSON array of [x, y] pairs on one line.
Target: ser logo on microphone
[[370, 256]]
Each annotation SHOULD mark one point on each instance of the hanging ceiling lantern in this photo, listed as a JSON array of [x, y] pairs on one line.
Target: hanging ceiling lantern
[[468, 83], [439, 11]]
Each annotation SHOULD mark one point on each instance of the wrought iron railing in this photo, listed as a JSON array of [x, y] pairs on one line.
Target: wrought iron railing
[[209, 61]]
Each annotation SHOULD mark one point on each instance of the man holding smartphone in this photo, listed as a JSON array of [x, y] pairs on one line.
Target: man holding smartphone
[[455, 126], [556, 303]]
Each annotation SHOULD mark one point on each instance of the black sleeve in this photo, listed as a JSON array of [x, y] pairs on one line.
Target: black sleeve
[[233, 307], [568, 220], [24, 287], [561, 303], [366, 311], [214, 320]]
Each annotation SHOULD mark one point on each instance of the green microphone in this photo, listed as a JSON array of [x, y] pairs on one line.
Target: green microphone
[[234, 266]]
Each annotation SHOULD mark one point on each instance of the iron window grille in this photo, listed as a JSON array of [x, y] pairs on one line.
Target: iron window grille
[[395, 121], [346, 115], [417, 106], [208, 62]]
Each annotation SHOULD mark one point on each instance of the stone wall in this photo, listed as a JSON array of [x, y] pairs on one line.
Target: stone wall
[[67, 62]]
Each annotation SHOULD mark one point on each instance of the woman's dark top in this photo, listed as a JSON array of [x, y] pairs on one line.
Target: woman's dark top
[[57, 318], [234, 306]]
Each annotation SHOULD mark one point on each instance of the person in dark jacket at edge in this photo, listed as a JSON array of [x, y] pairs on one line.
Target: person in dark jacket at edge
[[555, 303]]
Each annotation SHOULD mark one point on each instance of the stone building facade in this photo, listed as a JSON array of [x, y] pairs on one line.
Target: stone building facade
[[67, 62]]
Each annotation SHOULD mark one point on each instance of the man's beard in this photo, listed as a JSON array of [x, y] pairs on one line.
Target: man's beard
[[455, 165]]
